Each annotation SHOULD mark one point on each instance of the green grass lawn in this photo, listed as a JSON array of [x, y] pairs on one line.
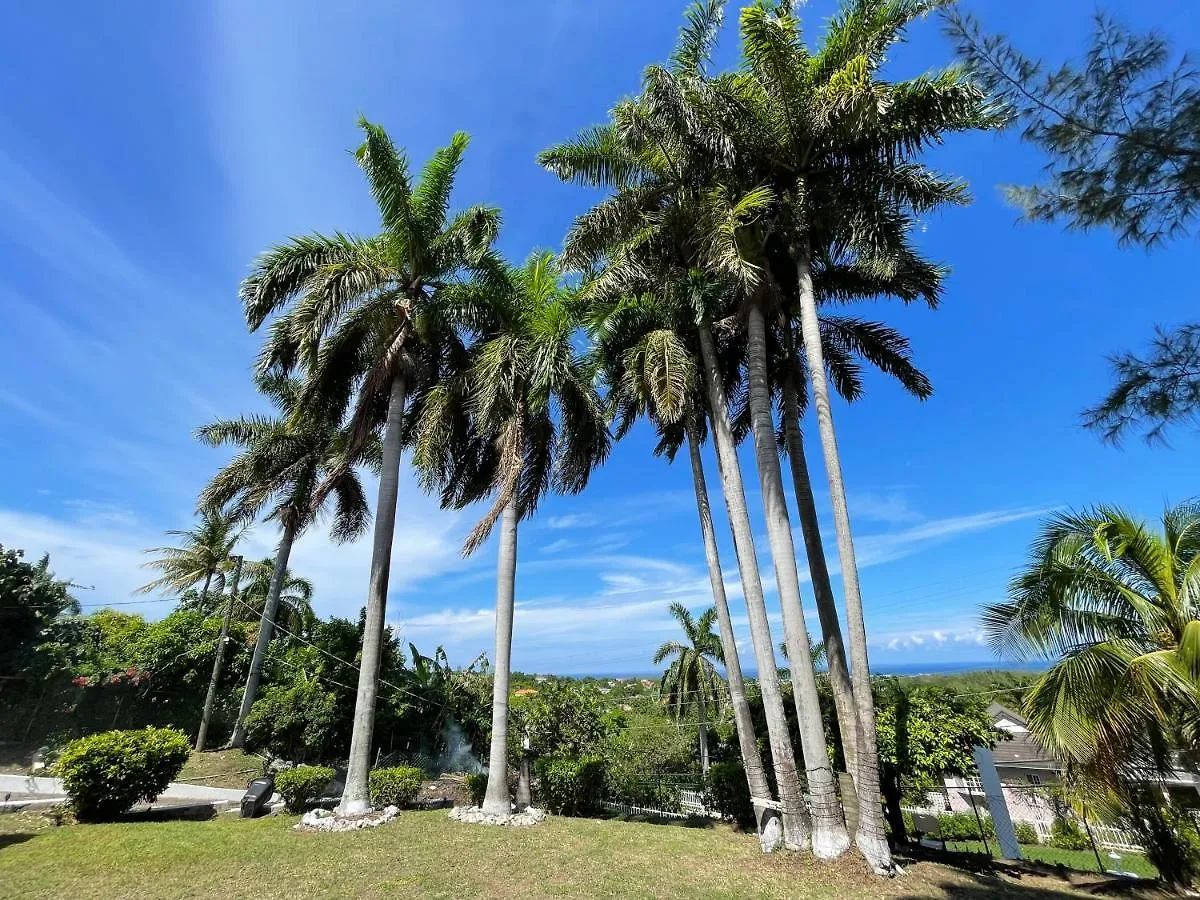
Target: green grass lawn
[[1084, 860], [221, 768], [424, 854]]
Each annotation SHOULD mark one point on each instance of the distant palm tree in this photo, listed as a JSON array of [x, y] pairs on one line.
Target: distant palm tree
[[293, 601], [204, 554], [1116, 607], [288, 465], [367, 318], [691, 680], [533, 422]]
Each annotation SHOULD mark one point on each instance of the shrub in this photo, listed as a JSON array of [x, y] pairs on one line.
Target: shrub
[[729, 793], [105, 774], [301, 785], [396, 786], [571, 787], [1065, 834], [477, 787], [964, 827], [1026, 833]]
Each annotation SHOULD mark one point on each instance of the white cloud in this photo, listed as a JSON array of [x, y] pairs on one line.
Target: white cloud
[[891, 507], [572, 520]]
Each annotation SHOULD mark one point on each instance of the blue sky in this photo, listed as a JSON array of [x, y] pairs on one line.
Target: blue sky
[[149, 151]]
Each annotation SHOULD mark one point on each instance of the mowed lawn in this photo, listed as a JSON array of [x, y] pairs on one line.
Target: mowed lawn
[[424, 854]]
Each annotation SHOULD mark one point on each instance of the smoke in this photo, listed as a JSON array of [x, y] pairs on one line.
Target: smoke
[[458, 755]]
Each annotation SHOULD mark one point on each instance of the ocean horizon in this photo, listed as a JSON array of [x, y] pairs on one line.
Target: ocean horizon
[[886, 668]]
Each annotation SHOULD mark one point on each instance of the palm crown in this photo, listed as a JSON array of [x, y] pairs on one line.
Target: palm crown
[[203, 554]]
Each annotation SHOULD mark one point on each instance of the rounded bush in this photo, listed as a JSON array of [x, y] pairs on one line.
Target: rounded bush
[[105, 774], [571, 787], [964, 827], [729, 793], [1026, 833], [397, 786], [477, 787], [1065, 834], [301, 785]]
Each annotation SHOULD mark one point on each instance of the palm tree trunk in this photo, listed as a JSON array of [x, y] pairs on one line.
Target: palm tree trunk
[[266, 630], [796, 823], [356, 797], [756, 776], [210, 698], [496, 801], [703, 728], [872, 835], [831, 628], [204, 592], [829, 838]]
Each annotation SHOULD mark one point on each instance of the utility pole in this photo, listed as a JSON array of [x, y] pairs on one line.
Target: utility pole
[[219, 662]]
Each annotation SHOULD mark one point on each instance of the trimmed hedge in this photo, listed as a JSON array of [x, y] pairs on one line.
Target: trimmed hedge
[[301, 785], [964, 826], [397, 786], [105, 774], [477, 787], [571, 787], [729, 792]]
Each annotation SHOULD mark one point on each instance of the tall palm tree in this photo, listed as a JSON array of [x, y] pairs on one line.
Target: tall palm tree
[[1115, 606], [204, 553], [827, 155], [367, 318], [534, 423], [650, 371], [691, 680], [284, 464]]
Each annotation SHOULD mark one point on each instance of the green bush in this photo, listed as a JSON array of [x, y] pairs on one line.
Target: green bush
[[571, 787], [396, 786], [729, 793], [1026, 833], [477, 787], [964, 826], [105, 774], [1065, 834], [301, 785]]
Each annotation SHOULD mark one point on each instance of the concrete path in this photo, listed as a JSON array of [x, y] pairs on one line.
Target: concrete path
[[52, 787]]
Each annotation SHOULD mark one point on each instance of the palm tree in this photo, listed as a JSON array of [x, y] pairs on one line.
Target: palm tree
[[284, 463], [691, 679], [293, 603], [826, 159], [534, 422], [1113, 604], [204, 553], [650, 371], [367, 318]]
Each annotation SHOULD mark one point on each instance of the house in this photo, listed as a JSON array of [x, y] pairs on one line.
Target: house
[[1028, 773]]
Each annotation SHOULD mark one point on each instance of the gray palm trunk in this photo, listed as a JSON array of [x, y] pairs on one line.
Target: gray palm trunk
[[871, 837], [818, 570], [756, 776], [266, 629], [703, 729], [796, 822], [356, 797], [210, 698], [208, 576], [829, 837], [496, 801]]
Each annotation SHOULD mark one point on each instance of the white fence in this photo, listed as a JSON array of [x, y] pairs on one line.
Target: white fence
[[1107, 837], [691, 803]]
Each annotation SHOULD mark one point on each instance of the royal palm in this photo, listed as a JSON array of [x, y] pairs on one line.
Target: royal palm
[[366, 317]]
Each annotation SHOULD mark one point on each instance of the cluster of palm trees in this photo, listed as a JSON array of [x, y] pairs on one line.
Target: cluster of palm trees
[[742, 208]]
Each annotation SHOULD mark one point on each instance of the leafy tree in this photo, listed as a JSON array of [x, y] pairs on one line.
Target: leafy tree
[[294, 600], [32, 601], [1158, 390], [691, 680], [204, 554], [1121, 131], [366, 317], [535, 424], [290, 464], [924, 734], [561, 720], [1110, 602]]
